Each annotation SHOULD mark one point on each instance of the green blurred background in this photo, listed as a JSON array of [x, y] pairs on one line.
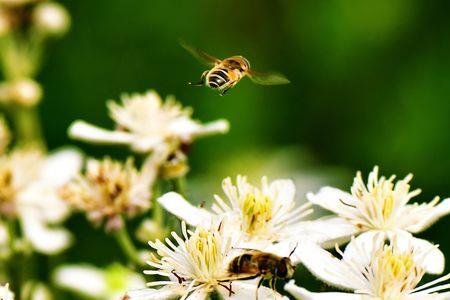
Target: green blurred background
[[370, 85]]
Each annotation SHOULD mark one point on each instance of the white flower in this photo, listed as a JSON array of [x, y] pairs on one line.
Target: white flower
[[263, 215], [5, 293], [195, 265], [372, 270], [145, 122], [109, 189], [29, 183], [51, 18], [102, 284], [382, 206]]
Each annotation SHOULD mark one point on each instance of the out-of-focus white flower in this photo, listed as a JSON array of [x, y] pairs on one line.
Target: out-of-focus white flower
[[5, 293], [382, 206], [109, 189], [23, 91], [29, 183], [263, 215], [51, 18], [146, 122], [373, 270], [102, 284], [194, 266], [35, 291]]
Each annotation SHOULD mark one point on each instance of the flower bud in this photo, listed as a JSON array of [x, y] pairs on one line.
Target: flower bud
[[149, 230], [25, 92], [175, 166], [51, 18]]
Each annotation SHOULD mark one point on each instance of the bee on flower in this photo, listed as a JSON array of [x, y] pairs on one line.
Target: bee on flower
[[382, 206], [374, 270], [108, 190], [195, 265]]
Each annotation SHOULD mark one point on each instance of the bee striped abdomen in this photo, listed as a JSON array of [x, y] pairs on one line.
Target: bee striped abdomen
[[218, 78], [242, 264]]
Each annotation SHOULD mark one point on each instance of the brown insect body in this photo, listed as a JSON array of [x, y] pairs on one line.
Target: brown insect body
[[267, 266]]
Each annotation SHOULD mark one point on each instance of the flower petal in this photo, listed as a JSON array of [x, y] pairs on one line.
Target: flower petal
[[154, 294], [44, 201], [434, 261], [180, 207], [83, 279], [303, 294], [326, 231], [146, 144], [43, 238], [60, 166], [81, 130], [362, 247], [331, 199], [244, 291], [325, 266], [188, 129], [437, 212]]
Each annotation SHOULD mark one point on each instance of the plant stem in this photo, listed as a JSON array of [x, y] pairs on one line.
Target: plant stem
[[127, 246], [28, 127], [179, 185]]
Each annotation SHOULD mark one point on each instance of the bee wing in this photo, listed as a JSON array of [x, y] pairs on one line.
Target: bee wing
[[267, 78], [202, 56]]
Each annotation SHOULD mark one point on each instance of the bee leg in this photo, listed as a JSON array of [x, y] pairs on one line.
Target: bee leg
[[202, 80], [257, 288], [227, 88], [228, 288], [272, 283]]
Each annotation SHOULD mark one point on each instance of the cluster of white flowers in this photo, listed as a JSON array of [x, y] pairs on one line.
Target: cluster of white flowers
[[381, 261], [29, 184], [250, 234]]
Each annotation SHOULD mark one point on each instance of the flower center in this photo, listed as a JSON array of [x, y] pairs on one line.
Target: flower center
[[395, 274], [107, 190], [204, 249], [379, 201], [257, 211], [146, 114]]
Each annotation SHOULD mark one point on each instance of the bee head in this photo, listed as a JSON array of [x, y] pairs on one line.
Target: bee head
[[285, 269]]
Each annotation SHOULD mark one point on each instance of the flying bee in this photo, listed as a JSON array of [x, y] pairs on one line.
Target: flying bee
[[226, 73], [267, 266]]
